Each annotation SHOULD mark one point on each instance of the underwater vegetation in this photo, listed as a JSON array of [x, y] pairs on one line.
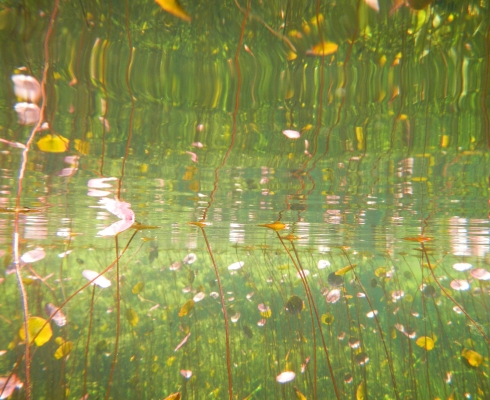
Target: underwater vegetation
[[245, 200]]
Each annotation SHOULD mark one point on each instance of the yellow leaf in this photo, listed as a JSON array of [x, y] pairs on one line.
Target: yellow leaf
[[37, 330], [138, 288], [425, 342], [344, 270], [173, 7], [63, 350], [200, 224], [53, 144], [275, 226], [323, 49], [173, 396], [473, 358], [140, 227], [186, 308], [327, 318], [132, 317], [299, 395], [82, 147], [361, 391]]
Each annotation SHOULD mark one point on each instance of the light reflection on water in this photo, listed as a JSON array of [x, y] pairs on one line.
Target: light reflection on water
[[374, 157]]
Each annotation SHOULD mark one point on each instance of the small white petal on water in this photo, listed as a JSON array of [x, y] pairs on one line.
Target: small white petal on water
[[100, 281], [33, 255], [198, 297], [462, 266], [286, 376], [459, 284], [322, 264], [235, 266], [480, 273], [291, 134]]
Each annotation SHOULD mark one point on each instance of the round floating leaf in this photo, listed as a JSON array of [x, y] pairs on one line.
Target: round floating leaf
[[37, 329], [132, 317], [335, 280], [474, 359], [327, 318], [425, 342], [186, 308], [63, 350], [53, 144], [294, 305], [138, 288]]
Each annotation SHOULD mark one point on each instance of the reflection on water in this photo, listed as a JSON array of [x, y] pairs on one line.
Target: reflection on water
[[244, 201]]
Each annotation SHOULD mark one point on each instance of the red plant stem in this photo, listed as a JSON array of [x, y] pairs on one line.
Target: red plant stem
[[118, 324], [15, 244], [84, 392], [225, 316], [300, 270]]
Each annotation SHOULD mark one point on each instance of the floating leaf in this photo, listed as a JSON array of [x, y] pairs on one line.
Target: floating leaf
[[247, 331], [200, 224], [361, 391], [265, 310], [186, 308], [275, 226], [418, 4], [38, 329], [419, 239], [335, 280], [294, 305], [323, 49], [63, 350], [82, 147], [132, 317], [299, 395], [173, 7], [474, 359], [425, 342], [138, 288], [53, 144], [344, 270], [140, 227], [101, 346], [173, 396], [327, 318]]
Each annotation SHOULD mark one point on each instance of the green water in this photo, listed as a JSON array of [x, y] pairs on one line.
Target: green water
[[186, 121]]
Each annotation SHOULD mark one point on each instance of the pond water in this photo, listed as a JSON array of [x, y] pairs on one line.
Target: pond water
[[245, 200]]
